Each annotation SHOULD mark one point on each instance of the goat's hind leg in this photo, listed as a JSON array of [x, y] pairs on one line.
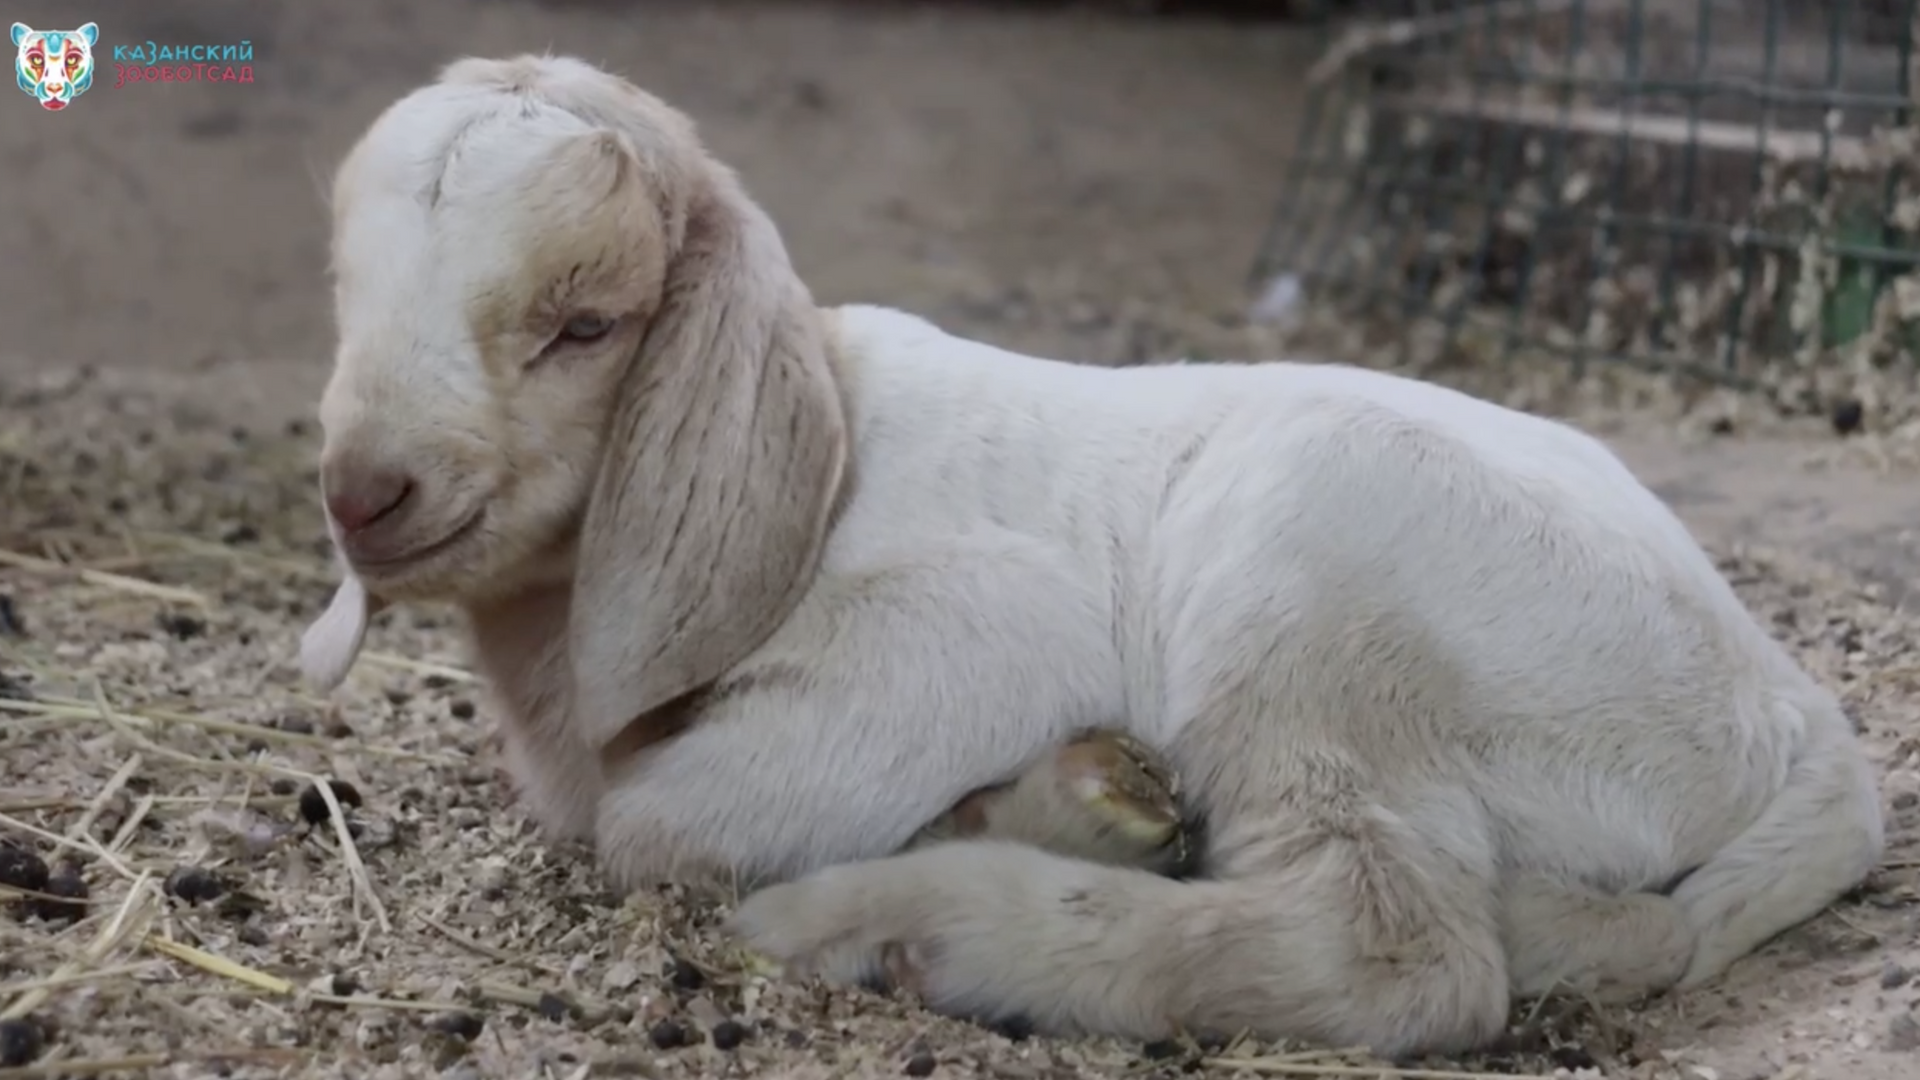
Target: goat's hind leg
[[1347, 925], [1105, 798], [1564, 938], [1820, 836]]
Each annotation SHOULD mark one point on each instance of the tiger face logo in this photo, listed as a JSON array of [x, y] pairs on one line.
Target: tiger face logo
[[54, 66]]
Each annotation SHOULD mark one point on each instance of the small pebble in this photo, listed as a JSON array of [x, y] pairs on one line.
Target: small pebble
[[22, 869], [21, 1041], [313, 805], [10, 623], [195, 884], [728, 1035], [464, 1026], [73, 893], [493, 882], [668, 1035], [921, 1064], [1903, 1033], [704, 1013], [1894, 976]]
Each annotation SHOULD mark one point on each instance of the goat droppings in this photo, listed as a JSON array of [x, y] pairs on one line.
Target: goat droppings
[[21, 1040], [684, 975], [194, 884], [313, 804], [1014, 1028], [1848, 416], [182, 627], [71, 892], [668, 1035], [15, 688], [1162, 1049], [464, 1026], [22, 869], [728, 1035]]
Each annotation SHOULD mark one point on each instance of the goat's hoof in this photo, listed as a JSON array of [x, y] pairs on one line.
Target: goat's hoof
[[1125, 787], [1102, 796]]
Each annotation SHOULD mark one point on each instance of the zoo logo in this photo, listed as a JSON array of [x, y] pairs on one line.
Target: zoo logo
[[153, 63], [54, 66]]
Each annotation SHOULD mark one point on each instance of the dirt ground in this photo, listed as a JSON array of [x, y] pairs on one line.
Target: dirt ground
[[1090, 186]]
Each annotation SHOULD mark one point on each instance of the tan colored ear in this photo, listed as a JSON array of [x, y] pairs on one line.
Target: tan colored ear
[[332, 643], [722, 462]]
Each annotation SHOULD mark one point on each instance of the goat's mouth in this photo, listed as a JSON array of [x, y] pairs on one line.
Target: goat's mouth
[[420, 554]]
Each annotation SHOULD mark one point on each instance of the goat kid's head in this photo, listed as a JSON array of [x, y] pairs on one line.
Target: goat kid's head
[[572, 351]]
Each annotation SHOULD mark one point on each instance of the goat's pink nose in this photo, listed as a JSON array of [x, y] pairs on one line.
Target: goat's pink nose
[[357, 498]]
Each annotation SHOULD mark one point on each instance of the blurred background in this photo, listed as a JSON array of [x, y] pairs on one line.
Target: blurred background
[[1053, 176]]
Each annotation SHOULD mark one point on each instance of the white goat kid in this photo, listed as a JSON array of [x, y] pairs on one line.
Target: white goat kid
[[1459, 698]]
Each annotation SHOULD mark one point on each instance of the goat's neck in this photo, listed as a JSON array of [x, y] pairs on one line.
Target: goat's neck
[[519, 646]]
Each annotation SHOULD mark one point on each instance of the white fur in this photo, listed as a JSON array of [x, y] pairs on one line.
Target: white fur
[[1458, 695]]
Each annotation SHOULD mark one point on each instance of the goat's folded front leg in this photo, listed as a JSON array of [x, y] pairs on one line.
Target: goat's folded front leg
[[885, 700]]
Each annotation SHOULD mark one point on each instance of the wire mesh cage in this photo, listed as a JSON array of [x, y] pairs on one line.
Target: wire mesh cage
[[1720, 188]]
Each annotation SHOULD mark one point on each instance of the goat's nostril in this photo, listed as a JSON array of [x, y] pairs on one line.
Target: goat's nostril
[[359, 501]]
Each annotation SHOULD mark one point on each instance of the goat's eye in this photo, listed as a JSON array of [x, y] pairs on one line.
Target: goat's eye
[[581, 330], [586, 328]]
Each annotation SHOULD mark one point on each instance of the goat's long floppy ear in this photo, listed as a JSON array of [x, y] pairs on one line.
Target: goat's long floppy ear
[[721, 465]]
